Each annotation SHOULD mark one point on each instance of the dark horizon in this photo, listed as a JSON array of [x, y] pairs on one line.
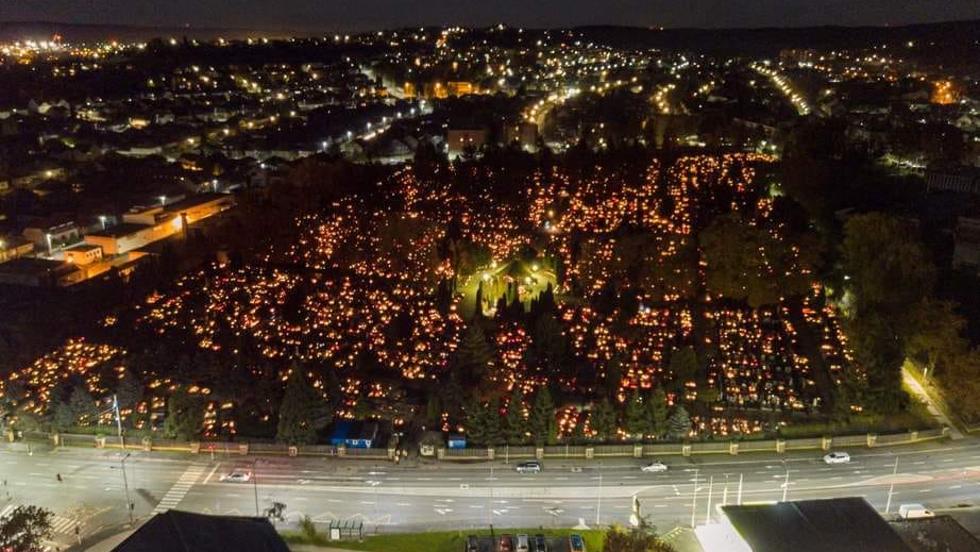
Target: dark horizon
[[306, 16]]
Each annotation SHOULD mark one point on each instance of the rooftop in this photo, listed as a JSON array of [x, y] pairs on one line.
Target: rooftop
[[176, 531]]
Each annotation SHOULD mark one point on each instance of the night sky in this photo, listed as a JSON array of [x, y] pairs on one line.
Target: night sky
[[329, 15]]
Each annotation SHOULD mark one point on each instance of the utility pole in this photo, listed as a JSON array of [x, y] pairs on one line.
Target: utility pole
[[707, 513], [598, 499], [891, 488], [490, 502], [786, 483], [740, 476], [694, 498], [129, 503], [255, 484], [115, 406]]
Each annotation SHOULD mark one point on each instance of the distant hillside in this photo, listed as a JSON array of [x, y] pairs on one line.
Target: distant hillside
[[960, 34], [71, 32]]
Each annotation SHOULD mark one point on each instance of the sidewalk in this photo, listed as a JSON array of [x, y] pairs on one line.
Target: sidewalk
[[935, 405]]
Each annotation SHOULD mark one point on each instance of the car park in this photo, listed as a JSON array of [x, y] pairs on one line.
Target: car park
[[505, 544], [472, 544], [523, 543], [576, 543], [539, 543], [654, 467], [837, 458], [529, 467]]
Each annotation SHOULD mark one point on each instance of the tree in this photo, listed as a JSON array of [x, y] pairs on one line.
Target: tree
[[25, 529], [129, 391], [474, 357], [684, 365], [679, 424], [491, 414], [745, 262], [657, 412], [515, 424], [637, 420], [637, 539], [935, 333], [603, 420], [542, 423], [961, 384], [302, 412], [185, 415]]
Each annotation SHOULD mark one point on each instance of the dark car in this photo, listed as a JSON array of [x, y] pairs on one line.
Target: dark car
[[539, 543], [472, 544], [505, 544], [576, 544]]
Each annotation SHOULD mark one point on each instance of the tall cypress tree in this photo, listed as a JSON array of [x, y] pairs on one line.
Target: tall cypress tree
[[679, 424], [302, 412], [515, 425], [636, 417], [657, 412], [602, 420], [544, 427]]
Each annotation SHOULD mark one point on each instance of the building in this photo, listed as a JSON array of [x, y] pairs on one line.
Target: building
[[523, 133], [83, 254], [13, 247], [52, 234], [957, 179], [966, 243], [127, 236], [354, 434], [838, 524], [176, 531], [935, 534], [461, 140], [31, 272]]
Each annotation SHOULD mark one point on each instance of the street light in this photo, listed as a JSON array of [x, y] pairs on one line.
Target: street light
[[129, 504], [598, 504], [255, 484]]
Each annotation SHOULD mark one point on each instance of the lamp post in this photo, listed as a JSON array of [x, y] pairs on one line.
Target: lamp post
[[255, 484], [598, 499], [129, 504]]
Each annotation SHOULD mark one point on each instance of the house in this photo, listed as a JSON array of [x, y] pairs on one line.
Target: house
[[31, 272], [176, 531], [354, 434], [128, 236], [13, 247], [52, 233], [460, 140]]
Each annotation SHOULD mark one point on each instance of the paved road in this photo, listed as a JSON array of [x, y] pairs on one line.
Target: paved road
[[449, 496]]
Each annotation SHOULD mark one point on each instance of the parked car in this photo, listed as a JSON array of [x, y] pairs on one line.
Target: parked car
[[523, 543], [505, 544], [654, 467], [914, 511], [472, 544], [539, 543], [575, 543], [529, 467], [837, 458], [237, 476]]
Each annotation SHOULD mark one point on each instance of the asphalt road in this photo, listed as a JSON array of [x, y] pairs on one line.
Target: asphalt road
[[386, 497]]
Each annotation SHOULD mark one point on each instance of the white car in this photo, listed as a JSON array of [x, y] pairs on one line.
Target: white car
[[237, 476], [654, 467], [837, 458]]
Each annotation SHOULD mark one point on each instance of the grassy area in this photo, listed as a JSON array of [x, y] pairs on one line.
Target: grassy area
[[436, 541], [915, 418]]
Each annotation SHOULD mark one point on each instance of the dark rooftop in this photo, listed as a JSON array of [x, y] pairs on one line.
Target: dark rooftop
[[936, 534], [176, 531], [840, 524]]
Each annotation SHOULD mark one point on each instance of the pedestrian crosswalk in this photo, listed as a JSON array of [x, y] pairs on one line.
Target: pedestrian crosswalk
[[59, 524], [63, 525], [180, 489]]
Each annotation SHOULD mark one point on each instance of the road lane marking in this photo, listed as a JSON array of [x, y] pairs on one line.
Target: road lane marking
[[208, 478], [179, 489]]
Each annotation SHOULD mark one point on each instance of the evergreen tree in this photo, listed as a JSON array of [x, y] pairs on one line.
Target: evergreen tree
[[185, 415], [679, 424], [684, 365], [474, 357], [475, 424], [83, 408], [544, 427], [657, 412], [515, 424], [636, 417], [302, 412], [491, 423], [129, 392], [603, 420]]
